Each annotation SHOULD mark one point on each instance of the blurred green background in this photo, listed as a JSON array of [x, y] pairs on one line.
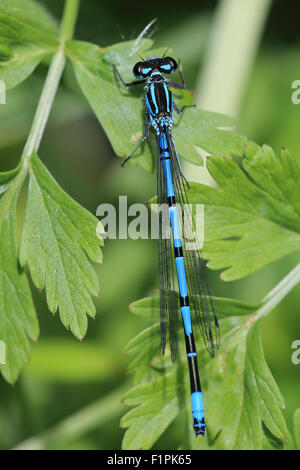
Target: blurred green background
[[65, 377]]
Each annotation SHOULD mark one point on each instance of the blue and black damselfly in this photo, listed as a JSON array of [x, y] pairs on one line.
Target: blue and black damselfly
[[194, 293]]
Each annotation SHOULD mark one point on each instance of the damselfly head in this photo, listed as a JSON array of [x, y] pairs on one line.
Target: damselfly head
[[163, 64]]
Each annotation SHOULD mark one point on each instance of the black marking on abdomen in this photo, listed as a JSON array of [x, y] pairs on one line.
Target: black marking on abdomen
[[171, 201], [178, 251], [184, 301]]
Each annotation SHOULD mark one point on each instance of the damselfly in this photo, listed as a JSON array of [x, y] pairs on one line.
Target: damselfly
[[194, 293]]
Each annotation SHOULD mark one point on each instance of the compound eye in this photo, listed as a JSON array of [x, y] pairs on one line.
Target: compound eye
[[141, 70], [137, 70], [168, 65]]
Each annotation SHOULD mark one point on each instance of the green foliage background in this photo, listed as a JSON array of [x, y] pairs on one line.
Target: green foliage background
[[81, 384]]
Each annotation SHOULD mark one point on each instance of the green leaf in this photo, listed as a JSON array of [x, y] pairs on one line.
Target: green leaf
[[271, 442], [240, 393], [57, 237], [18, 320], [27, 34], [249, 430], [6, 178], [197, 128], [258, 208], [297, 427], [31, 13], [121, 111], [144, 346], [157, 406], [263, 388]]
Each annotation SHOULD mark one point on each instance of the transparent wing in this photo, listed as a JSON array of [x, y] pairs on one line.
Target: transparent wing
[[201, 302], [169, 306]]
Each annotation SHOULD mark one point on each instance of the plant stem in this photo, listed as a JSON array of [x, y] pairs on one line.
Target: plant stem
[[69, 19], [44, 106], [51, 85], [45, 102], [274, 297], [236, 33]]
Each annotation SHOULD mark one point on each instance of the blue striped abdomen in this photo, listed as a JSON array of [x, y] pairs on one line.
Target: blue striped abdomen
[[196, 395]]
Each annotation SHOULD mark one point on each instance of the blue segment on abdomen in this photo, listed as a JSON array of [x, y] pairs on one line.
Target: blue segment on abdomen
[[168, 177], [197, 406], [181, 276], [187, 323], [175, 226], [163, 141]]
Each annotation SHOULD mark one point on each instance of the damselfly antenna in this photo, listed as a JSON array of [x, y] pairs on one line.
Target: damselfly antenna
[[140, 37]]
